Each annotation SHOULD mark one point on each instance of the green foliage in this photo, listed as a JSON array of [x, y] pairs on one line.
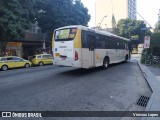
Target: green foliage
[[142, 59], [146, 55], [16, 15], [60, 13], [155, 40], [154, 47], [157, 26], [128, 27], [155, 43]]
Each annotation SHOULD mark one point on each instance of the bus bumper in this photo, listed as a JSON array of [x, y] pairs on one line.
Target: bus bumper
[[68, 63]]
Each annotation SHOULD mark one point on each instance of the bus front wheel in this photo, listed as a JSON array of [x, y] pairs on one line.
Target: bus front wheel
[[105, 62]]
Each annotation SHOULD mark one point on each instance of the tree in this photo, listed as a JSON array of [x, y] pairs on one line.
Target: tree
[[155, 39], [157, 27], [60, 13], [113, 21], [154, 47], [16, 15], [128, 27]]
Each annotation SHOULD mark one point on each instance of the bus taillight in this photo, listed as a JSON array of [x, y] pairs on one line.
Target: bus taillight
[[76, 56]]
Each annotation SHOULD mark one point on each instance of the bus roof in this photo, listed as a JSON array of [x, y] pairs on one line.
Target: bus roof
[[93, 30]]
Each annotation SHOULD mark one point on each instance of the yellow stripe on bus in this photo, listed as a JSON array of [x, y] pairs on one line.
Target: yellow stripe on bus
[[53, 41], [77, 41]]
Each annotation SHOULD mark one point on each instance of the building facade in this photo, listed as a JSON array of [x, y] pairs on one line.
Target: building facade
[[159, 15], [121, 9], [34, 42]]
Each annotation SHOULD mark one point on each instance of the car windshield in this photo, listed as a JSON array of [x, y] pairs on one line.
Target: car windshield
[[2, 59]]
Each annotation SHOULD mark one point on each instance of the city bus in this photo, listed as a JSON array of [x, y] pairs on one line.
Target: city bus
[[83, 47]]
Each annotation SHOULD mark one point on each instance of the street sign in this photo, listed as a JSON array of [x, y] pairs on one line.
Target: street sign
[[147, 42]]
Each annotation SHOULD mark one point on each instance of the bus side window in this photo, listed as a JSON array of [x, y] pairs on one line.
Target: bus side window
[[97, 41], [103, 42], [84, 40], [106, 42], [127, 43], [123, 45], [91, 41], [100, 41], [112, 45], [120, 44]]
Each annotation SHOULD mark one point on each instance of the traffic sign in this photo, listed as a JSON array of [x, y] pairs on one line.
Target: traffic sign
[[147, 42]]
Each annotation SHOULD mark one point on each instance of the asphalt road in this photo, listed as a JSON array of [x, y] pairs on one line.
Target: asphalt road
[[57, 88]]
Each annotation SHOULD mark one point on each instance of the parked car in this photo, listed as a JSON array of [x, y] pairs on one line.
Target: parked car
[[42, 59], [7, 62]]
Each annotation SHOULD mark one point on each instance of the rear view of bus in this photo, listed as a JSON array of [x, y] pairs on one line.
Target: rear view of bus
[[65, 46]]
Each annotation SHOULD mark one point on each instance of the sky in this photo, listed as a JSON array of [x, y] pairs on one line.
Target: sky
[[148, 9]]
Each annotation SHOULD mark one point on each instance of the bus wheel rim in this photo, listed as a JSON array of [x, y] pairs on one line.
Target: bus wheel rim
[[106, 64]]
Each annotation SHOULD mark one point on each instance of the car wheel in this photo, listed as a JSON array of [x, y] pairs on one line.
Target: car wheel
[[40, 64], [4, 67], [105, 63], [26, 65]]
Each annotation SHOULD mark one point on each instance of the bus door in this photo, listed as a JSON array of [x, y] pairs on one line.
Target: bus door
[[91, 55]]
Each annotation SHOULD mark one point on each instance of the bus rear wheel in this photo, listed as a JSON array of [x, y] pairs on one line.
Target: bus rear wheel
[[105, 62], [126, 58]]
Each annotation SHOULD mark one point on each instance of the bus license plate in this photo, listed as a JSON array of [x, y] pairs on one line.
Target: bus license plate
[[57, 54]]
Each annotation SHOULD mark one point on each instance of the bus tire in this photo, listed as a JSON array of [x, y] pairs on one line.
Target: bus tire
[[40, 63], [4, 68], [126, 58], [105, 62]]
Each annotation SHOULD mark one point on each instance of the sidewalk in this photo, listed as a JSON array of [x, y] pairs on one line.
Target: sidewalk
[[155, 70], [151, 73], [152, 76]]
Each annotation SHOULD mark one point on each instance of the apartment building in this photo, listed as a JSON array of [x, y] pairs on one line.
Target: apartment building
[[159, 15], [121, 9]]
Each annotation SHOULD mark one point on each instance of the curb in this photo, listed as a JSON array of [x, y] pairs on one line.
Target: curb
[[154, 84]]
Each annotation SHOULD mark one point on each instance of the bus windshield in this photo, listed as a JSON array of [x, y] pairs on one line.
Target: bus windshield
[[65, 34]]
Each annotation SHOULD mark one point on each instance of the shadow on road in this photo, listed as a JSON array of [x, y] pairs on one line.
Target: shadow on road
[[83, 72]]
